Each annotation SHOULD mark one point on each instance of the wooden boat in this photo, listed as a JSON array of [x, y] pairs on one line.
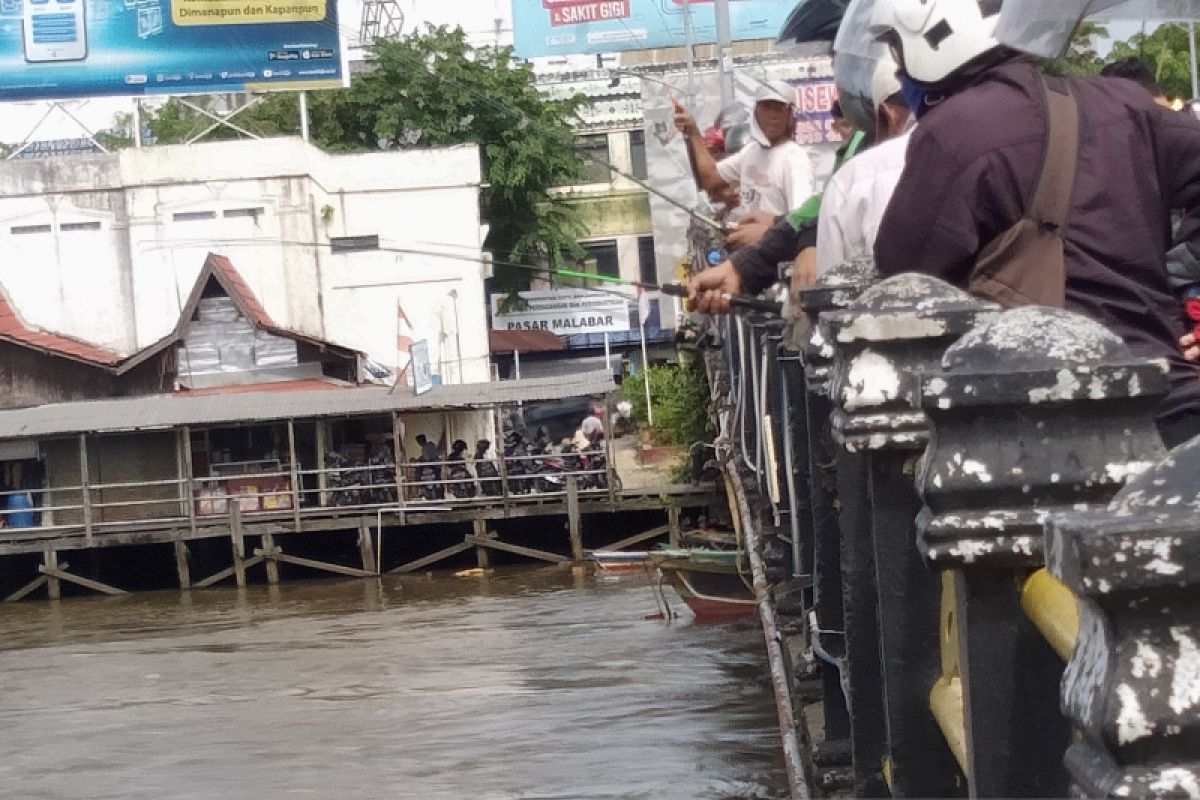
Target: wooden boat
[[620, 560], [711, 582]]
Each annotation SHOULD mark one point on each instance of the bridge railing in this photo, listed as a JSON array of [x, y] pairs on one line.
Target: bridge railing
[[960, 489]]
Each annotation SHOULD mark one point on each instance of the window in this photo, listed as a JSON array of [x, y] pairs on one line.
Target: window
[[637, 154], [594, 150], [245, 212], [22, 229], [353, 244], [67, 227], [601, 258], [647, 265], [193, 216]]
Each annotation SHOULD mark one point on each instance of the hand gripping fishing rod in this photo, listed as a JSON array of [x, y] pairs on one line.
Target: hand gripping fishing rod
[[744, 302]]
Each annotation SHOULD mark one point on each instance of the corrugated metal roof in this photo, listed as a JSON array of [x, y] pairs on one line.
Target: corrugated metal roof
[[173, 411]]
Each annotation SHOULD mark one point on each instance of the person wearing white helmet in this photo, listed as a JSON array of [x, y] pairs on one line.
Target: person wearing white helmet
[[858, 194], [1029, 189], [772, 172]]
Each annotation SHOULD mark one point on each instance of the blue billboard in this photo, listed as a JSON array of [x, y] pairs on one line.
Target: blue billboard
[[567, 27], [55, 49]]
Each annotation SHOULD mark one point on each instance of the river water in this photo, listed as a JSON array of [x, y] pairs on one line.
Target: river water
[[529, 683]]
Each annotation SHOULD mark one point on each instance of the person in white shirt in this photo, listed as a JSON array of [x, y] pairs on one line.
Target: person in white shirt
[[772, 173], [860, 191], [850, 211]]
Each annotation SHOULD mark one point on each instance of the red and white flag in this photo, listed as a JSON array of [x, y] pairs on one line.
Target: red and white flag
[[404, 342]]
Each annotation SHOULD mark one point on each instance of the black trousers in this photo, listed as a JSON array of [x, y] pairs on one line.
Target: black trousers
[[1180, 427]]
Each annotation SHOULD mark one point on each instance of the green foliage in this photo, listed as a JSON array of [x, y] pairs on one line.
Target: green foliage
[[681, 396], [1166, 50], [1082, 57], [275, 114], [432, 88]]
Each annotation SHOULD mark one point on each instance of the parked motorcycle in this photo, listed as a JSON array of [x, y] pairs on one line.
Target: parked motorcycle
[[486, 471]]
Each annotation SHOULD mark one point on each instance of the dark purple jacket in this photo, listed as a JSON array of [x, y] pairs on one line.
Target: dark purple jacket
[[972, 166]]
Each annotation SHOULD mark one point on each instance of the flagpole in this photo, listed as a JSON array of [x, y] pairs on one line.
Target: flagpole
[[646, 370]]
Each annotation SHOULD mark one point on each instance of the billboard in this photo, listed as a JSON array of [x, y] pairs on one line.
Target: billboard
[[567, 27], [56, 49], [563, 312]]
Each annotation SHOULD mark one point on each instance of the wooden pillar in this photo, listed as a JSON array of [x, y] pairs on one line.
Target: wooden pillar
[[85, 492], [674, 531], [53, 584], [365, 548], [181, 564], [574, 519], [269, 551], [398, 455], [237, 541], [189, 479], [503, 464], [294, 476], [479, 527], [322, 450], [611, 459]]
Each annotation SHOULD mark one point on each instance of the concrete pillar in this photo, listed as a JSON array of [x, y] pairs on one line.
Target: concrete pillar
[[1132, 686], [893, 330], [1036, 412], [814, 454]]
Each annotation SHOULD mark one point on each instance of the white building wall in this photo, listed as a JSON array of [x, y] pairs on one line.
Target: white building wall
[[161, 210]]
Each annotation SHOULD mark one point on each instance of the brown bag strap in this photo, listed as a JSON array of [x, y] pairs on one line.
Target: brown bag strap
[[1051, 204]]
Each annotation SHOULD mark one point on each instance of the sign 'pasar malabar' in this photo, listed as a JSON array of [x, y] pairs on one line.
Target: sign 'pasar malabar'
[[562, 312]]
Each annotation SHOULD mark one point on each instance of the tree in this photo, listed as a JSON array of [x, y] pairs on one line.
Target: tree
[[275, 114], [1082, 57], [1166, 50]]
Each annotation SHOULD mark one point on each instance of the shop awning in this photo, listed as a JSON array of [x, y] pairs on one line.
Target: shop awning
[[164, 412]]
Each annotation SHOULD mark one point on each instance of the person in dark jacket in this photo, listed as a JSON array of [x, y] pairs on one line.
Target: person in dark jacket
[[975, 159]]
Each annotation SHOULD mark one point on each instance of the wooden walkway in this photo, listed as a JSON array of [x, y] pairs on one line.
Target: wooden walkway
[[370, 523]]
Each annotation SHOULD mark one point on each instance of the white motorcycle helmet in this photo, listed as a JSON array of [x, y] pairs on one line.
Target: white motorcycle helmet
[[856, 63], [932, 40]]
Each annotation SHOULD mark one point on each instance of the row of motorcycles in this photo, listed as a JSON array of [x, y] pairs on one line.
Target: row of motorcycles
[[529, 466]]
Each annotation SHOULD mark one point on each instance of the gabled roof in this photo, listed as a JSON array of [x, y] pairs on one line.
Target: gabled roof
[[221, 269], [14, 329]]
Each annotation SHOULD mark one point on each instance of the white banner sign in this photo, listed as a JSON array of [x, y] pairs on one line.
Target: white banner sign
[[422, 370], [562, 312]]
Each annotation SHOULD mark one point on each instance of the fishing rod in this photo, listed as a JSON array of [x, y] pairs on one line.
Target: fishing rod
[[671, 289]]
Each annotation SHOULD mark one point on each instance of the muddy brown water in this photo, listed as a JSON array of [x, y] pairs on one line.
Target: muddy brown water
[[529, 683]]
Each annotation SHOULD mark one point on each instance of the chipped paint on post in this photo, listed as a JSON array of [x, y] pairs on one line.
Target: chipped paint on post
[[1132, 686], [1035, 411]]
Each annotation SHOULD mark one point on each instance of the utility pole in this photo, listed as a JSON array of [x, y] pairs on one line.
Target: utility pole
[[724, 51], [689, 53], [1192, 51]]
